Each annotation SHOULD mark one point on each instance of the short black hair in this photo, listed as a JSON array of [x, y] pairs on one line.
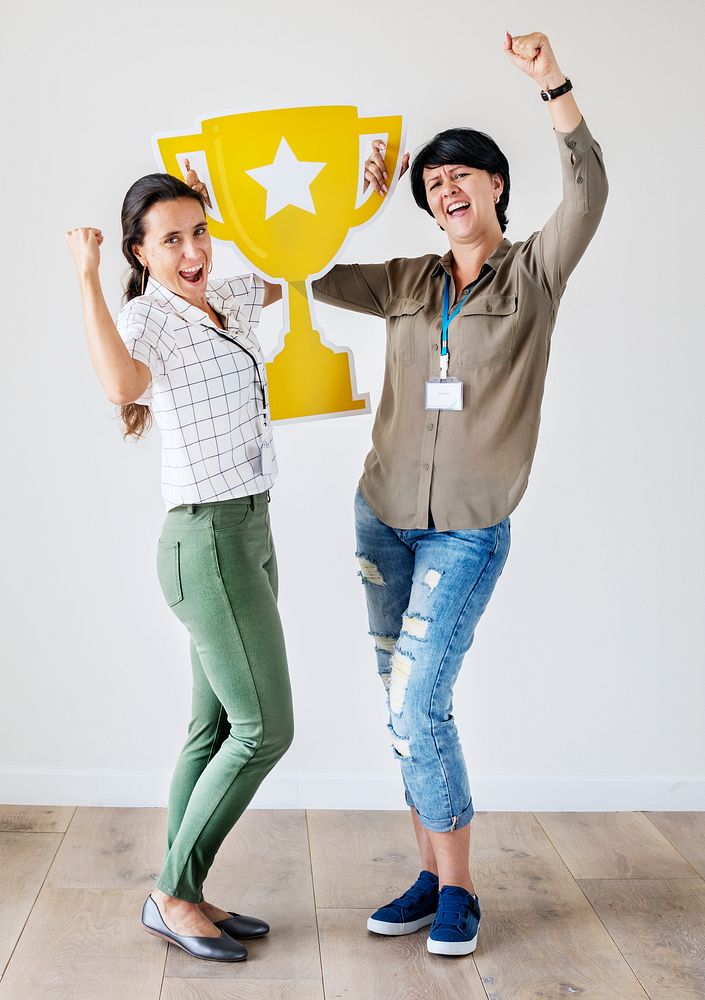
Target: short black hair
[[466, 146]]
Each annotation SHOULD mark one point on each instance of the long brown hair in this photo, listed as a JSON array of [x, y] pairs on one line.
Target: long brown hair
[[147, 191]]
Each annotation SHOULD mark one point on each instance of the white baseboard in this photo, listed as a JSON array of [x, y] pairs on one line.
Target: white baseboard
[[306, 790]]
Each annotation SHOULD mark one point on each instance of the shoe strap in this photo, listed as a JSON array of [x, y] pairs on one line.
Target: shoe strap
[[448, 912], [415, 893]]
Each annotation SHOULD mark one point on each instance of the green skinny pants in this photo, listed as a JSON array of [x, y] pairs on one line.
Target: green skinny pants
[[218, 573]]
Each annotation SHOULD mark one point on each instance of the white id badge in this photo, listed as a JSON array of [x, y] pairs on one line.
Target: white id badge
[[267, 451], [444, 395]]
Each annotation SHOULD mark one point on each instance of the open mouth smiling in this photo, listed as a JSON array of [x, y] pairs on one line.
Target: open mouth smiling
[[457, 208], [192, 274]]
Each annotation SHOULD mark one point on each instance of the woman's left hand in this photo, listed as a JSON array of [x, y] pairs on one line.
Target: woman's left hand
[[193, 181], [533, 55], [376, 169]]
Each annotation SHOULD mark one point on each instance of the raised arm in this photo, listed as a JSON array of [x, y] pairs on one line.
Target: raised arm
[[551, 255], [533, 55], [123, 378], [361, 287]]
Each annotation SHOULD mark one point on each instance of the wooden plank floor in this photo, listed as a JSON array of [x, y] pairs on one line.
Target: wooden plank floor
[[603, 906]]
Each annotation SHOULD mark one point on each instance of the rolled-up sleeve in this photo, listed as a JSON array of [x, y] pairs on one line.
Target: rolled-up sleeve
[[361, 287], [144, 330], [551, 255]]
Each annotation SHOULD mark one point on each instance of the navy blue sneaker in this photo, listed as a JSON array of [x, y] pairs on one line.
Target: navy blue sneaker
[[414, 909], [454, 931]]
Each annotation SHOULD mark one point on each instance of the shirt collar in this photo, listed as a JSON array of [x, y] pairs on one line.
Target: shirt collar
[[165, 297], [494, 260]]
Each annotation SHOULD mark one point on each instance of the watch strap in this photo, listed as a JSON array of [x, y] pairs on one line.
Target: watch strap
[[551, 95]]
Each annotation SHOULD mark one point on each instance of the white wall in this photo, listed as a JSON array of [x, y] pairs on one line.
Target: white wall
[[585, 686]]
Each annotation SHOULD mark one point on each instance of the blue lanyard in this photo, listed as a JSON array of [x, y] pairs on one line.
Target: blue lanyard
[[447, 320]]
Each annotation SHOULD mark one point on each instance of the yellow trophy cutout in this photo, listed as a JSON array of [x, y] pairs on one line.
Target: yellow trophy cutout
[[286, 183]]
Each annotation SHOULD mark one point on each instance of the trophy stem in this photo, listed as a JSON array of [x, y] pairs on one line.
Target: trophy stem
[[307, 378], [299, 310]]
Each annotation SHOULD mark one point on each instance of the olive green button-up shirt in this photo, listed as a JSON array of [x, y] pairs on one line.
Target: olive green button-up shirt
[[469, 467]]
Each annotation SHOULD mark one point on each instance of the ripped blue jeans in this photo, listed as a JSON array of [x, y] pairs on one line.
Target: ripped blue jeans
[[426, 590]]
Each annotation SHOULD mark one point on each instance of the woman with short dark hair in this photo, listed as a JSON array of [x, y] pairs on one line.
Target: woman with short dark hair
[[459, 145], [468, 339]]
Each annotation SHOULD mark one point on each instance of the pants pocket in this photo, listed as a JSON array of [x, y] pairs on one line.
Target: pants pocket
[[169, 572]]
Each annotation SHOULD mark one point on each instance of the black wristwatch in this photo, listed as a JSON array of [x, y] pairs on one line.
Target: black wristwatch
[[551, 95]]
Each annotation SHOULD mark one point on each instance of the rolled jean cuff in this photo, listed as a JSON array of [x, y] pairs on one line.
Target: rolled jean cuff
[[445, 826]]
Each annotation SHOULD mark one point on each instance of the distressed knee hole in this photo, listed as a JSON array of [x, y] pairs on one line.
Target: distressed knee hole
[[401, 745], [432, 579], [369, 571], [415, 626], [386, 678], [384, 643], [402, 664]]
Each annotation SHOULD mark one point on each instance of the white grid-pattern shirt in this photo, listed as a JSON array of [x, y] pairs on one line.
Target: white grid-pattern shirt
[[204, 394]]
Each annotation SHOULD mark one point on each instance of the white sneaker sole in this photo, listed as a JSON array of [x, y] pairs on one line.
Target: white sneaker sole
[[394, 930], [451, 947]]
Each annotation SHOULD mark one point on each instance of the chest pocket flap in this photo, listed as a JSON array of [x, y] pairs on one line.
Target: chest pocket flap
[[404, 320], [487, 327]]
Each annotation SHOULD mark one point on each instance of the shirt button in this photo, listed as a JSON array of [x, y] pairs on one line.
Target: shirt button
[[426, 467], [571, 144], [435, 347], [430, 427], [578, 180], [489, 309]]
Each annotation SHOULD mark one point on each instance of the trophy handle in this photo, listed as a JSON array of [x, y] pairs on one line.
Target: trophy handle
[[169, 148], [392, 125]]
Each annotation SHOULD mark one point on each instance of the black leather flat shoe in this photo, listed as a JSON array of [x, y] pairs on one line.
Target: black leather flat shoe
[[220, 949], [239, 926]]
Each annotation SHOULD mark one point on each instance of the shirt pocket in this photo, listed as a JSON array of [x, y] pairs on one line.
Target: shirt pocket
[[487, 330], [403, 316]]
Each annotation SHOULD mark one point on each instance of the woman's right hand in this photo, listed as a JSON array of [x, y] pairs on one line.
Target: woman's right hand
[[375, 169], [84, 245], [194, 181]]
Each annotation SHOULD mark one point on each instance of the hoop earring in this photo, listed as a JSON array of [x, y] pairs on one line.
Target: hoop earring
[[211, 267], [144, 273]]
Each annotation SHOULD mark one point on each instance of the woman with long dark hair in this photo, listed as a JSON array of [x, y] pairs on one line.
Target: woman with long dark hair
[[468, 340], [184, 351]]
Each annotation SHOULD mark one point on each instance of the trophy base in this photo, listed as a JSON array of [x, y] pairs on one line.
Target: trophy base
[[307, 379]]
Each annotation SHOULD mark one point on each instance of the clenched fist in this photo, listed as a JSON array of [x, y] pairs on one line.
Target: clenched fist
[[84, 244], [533, 55]]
